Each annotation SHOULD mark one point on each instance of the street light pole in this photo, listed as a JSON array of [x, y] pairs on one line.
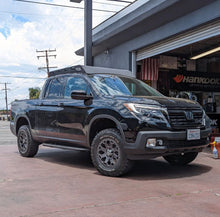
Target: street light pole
[[87, 31]]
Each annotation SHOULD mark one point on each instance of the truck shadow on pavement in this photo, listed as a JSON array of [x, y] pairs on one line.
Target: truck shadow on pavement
[[155, 169], [158, 169], [77, 159]]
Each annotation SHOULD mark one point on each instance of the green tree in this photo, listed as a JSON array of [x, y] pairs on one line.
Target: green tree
[[34, 93]]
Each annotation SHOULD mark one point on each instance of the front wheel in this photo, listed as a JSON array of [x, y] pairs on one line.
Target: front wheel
[[181, 159], [108, 155], [26, 145]]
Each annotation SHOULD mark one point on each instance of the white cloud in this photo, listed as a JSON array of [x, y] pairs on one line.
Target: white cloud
[[26, 27]]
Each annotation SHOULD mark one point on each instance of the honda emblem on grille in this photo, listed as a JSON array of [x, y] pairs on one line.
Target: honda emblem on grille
[[189, 115]]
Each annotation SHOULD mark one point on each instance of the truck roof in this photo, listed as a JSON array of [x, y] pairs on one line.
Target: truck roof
[[90, 70]]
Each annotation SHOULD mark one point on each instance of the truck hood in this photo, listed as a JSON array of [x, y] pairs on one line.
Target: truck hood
[[167, 102]]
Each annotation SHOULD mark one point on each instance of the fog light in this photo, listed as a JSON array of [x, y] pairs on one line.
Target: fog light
[[160, 142], [151, 143]]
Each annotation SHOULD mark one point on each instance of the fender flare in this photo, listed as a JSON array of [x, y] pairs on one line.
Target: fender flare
[[21, 116], [120, 126]]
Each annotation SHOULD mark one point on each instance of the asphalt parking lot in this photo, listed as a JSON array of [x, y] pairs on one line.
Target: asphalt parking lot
[[64, 183]]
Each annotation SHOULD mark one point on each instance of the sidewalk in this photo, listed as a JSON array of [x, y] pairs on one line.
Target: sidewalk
[[6, 137]]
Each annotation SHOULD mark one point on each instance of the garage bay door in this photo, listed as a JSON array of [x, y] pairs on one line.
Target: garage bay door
[[189, 37]]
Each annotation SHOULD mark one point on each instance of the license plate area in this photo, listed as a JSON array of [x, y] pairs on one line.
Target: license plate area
[[193, 134]]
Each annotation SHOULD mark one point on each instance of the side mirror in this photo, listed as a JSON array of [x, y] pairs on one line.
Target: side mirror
[[80, 95]]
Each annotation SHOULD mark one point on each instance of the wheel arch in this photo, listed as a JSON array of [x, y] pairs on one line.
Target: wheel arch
[[102, 122], [21, 120]]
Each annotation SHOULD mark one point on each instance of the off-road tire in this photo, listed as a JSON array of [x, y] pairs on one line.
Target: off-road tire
[[27, 147], [181, 159], [108, 155]]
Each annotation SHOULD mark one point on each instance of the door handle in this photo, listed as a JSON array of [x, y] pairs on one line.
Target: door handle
[[41, 104]]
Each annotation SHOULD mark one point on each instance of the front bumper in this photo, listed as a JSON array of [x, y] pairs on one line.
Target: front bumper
[[174, 142]]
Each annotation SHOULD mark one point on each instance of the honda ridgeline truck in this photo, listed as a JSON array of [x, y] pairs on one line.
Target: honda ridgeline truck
[[116, 117]]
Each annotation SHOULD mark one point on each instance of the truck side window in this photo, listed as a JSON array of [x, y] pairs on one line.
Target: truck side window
[[75, 83], [55, 90]]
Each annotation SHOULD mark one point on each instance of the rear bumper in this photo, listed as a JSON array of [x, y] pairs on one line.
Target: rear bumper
[[174, 142], [12, 127]]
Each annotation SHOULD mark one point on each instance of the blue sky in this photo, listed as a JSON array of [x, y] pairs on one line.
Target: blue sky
[[5, 31], [26, 27]]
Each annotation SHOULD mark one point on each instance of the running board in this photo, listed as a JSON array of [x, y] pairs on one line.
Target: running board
[[66, 147]]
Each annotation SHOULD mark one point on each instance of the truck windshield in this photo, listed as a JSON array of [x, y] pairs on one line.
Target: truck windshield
[[123, 86]]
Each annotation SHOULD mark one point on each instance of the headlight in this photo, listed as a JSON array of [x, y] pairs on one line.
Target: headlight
[[147, 112]]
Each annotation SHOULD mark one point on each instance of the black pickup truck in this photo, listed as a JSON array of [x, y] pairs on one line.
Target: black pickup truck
[[116, 117]]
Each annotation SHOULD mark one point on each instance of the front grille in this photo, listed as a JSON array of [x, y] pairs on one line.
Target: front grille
[[185, 118]]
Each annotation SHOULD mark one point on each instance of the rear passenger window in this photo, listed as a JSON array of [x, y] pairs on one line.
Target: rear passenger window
[[55, 89], [74, 84]]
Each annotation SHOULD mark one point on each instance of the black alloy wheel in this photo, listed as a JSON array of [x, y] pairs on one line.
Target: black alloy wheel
[[108, 155], [26, 145]]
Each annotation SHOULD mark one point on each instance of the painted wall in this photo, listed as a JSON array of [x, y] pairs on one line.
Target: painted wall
[[118, 57]]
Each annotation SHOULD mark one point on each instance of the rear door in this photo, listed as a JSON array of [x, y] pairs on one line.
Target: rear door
[[47, 109]]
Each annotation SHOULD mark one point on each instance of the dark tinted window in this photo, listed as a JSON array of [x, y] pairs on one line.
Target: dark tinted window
[[55, 90], [139, 88], [110, 85], [74, 84]]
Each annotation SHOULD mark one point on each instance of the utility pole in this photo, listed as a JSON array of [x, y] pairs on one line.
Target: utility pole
[[6, 97], [47, 55]]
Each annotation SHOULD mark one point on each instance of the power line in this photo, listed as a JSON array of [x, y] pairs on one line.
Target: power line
[[104, 3], [120, 1], [59, 5], [8, 76], [47, 15], [33, 14]]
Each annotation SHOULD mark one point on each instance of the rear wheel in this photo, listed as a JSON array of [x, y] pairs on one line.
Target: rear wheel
[[108, 155], [181, 159], [26, 145]]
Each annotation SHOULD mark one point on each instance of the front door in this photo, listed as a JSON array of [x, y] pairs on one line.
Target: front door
[[73, 113]]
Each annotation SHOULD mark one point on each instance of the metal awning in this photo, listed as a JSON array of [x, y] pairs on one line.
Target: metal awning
[[190, 37]]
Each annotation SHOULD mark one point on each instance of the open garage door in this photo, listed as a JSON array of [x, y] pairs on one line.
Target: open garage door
[[187, 38]]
